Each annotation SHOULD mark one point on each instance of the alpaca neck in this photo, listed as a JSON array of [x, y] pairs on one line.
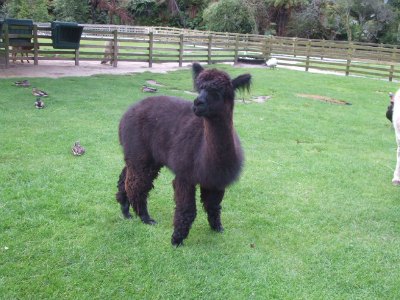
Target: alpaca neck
[[219, 140], [221, 157]]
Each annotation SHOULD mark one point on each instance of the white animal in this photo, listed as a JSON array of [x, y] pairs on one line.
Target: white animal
[[272, 63], [396, 125]]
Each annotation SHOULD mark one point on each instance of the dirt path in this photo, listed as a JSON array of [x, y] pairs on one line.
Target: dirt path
[[55, 69]]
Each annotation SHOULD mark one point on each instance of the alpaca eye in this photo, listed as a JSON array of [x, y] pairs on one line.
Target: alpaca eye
[[216, 95]]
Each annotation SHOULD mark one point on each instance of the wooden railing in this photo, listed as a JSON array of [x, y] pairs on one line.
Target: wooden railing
[[364, 59], [162, 44], [139, 46]]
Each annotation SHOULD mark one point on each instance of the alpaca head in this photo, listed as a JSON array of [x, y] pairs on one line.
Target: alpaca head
[[216, 91]]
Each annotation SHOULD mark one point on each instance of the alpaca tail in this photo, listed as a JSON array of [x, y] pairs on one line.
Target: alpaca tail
[[121, 195]]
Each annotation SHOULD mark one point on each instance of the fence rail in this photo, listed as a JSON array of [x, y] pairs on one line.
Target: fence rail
[[163, 44]]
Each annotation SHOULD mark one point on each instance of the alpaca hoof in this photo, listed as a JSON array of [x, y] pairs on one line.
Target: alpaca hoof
[[127, 215], [396, 181], [125, 211], [147, 220], [218, 229], [176, 242]]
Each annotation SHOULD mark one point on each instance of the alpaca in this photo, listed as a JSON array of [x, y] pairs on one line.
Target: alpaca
[[197, 142], [396, 125], [21, 50], [109, 52]]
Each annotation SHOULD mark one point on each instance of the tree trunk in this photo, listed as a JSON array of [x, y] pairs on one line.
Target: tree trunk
[[282, 21], [348, 28]]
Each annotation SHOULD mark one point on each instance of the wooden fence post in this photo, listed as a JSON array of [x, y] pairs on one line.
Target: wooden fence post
[[294, 47], [6, 46], [115, 49], [391, 71], [209, 49], [268, 47], [151, 49], [349, 56], [380, 48], [2, 53], [236, 58], [180, 49], [308, 55], [35, 46], [77, 57]]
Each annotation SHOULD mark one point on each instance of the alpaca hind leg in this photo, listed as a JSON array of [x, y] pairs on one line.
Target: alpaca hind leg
[[396, 174], [185, 210], [121, 195], [212, 205], [137, 186]]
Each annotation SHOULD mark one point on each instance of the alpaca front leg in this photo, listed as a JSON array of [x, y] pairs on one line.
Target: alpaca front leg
[[396, 175], [212, 205], [185, 210]]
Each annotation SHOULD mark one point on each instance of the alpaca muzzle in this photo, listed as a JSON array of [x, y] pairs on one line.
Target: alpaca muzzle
[[200, 107]]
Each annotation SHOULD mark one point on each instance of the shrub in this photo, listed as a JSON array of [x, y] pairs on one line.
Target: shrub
[[229, 16]]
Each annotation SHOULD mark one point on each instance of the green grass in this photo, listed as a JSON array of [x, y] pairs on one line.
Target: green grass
[[314, 215]]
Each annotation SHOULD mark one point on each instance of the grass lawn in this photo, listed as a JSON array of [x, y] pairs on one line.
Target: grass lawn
[[314, 215]]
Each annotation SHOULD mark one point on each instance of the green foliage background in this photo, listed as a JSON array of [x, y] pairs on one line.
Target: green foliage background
[[361, 20]]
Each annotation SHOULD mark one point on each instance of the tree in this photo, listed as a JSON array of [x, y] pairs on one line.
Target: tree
[[117, 11], [281, 12], [342, 10], [372, 17], [144, 12], [394, 3], [191, 15], [393, 34], [311, 22], [229, 16], [260, 14], [27, 9], [110, 11], [96, 15], [71, 10], [172, 6]]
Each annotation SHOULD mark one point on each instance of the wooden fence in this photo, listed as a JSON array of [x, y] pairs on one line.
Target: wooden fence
[[362, 59], [161, 44]]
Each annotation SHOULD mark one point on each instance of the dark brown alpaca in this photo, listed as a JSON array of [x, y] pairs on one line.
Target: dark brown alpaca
[[196, 141], [20, 49]]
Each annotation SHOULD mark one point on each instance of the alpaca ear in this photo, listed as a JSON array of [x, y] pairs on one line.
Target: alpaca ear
[[242, 82], [197, 69]]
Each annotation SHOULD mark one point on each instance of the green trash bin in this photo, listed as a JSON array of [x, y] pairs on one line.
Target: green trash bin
[[19, 26], [66, 35]]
